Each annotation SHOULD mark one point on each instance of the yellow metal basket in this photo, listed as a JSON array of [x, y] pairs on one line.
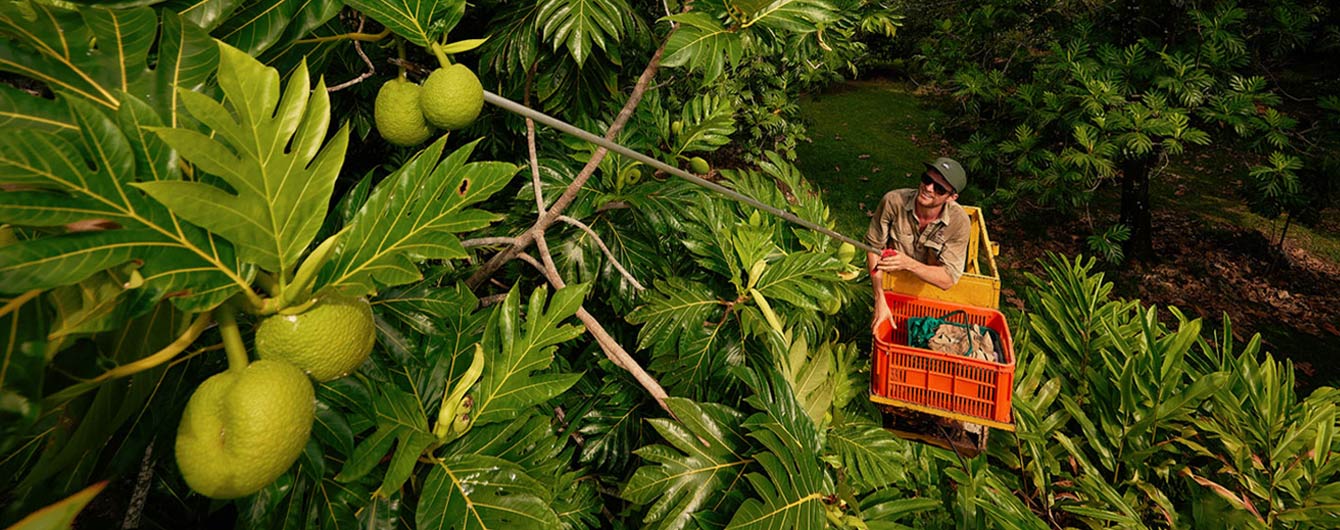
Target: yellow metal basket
[[980, 284]]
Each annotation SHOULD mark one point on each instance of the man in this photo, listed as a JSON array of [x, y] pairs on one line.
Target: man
[[926, 230]]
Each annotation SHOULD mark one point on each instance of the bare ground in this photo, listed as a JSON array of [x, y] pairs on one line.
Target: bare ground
[[1208, 270]]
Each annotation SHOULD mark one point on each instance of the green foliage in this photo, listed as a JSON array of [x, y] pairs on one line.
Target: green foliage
[[790, 491], [1258, 433], [428, 199], [269, 152], [579, 25], [178, 259], [88, 55], [1143, 412], [1063, 99], [161, 168], [1107, 245], [421, 23], [707, 453]]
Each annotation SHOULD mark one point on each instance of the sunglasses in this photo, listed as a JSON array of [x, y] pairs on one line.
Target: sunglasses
[[939, 190]]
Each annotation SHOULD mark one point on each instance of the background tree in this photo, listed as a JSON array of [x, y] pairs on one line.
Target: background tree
[[1074, 96]]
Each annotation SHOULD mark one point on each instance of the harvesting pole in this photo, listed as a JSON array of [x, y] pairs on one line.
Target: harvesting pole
[[517, 108]]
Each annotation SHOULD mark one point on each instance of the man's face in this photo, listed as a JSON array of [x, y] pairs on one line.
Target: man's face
[[933, 192]]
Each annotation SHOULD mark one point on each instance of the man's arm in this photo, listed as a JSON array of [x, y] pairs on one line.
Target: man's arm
[[882, 311], [935, 274]]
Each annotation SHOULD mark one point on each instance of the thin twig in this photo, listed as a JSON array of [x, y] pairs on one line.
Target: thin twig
[[491, 300], [549, 217], [608, 253], [358, 47], [18, 301], [141, 491], [613, 205], [356, 37], [202, 322], [530, 142], [611, 347], [488, 242]]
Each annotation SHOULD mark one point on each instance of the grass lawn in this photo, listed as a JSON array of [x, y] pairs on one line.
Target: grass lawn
[[869, 137]]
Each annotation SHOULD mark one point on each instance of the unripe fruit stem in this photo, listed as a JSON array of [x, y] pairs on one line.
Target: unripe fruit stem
[[441, 55], [400, 51], [232, 338], [300, 288]]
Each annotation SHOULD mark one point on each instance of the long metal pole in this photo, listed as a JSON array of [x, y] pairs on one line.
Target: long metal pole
[[512, 106]]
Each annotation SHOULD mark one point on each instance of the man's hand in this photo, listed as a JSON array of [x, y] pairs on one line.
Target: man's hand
[[882, 313], [897, 261]]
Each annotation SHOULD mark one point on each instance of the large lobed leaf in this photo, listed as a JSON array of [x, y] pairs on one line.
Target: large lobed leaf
[[707, 454], [580, 24], [64, 182], [268, 150], [790, 491], [402, 422], [800, 16], [477, 492], [514, 349], [259, 25], [532, 443], [95, 54], [414, 215], [703, 43], [707, 122], [421, 22], [869, 455], [687, 348]]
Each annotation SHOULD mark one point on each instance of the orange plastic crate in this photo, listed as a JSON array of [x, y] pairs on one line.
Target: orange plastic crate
[[961, 386]]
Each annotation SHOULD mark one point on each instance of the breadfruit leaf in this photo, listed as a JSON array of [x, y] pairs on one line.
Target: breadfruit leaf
[[581, 25], [478, 492], [418, 21], [514, 349], [708, 121], [268, 150], [789, 492], [260, 25], [703, 43], [402, 422], [707, 454], [869, 455], [799, 16], [687, 346], [414, 215], [93, 53], [89, 183]]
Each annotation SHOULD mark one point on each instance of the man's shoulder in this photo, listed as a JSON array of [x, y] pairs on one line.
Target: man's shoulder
[[900, 196], [956, 216]]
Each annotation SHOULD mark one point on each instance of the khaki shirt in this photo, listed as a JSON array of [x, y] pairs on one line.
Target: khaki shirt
[[945, 240]]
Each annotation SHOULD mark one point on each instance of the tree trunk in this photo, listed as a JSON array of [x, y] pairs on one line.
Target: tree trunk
[[1135, 208]]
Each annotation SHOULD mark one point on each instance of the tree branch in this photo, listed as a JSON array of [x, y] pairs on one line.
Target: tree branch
[[358, 47], [611, 347], [530, 141], [548, 218], [608, 254], [487, 241]]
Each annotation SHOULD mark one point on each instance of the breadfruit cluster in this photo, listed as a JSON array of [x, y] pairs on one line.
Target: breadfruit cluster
[[245, 427], [449, 99]]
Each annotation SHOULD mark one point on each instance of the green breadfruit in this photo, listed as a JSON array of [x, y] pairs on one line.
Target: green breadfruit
[[846, 251], [328, 340], [396, 112], [452, 97], [699, 166], [243, 429]]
